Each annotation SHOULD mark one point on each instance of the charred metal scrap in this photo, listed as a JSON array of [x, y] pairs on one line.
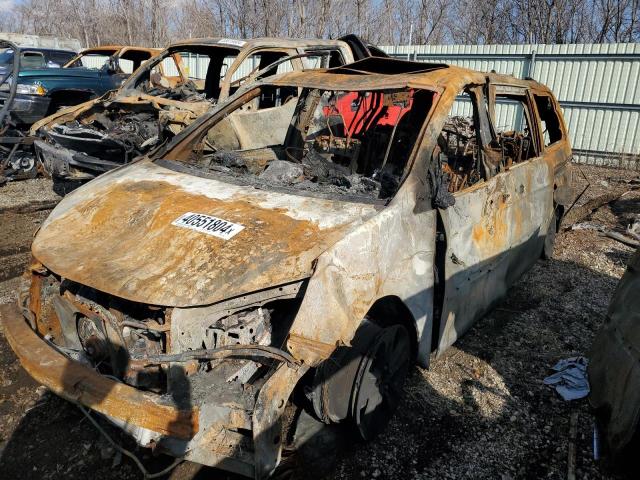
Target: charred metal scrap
[[286, 257]]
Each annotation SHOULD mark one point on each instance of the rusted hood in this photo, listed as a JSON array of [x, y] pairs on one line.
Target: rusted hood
[[115, 234]]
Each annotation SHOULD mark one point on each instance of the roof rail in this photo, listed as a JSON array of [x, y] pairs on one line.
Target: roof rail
[[388, 66]]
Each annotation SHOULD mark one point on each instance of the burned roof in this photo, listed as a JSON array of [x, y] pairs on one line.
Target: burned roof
[[382, 73], [388, 66], [255, 42]]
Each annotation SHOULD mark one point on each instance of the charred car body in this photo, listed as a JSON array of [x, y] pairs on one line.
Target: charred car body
[[303, 255], [153, 105]]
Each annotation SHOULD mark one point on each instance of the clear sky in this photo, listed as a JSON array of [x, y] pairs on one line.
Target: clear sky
[[6, 5]]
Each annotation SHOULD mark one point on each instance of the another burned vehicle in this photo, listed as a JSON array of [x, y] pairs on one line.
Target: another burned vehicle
[[614, 369], [278, 259], [42, 89], [167, 94], [44, 86]]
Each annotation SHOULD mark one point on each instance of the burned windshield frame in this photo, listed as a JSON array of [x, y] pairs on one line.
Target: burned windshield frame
[[389, 131], [134, 82]]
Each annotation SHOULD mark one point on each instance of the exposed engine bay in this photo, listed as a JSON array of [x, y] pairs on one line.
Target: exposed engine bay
[[155, 348], [109, 134], [118, 134], [333, 142]]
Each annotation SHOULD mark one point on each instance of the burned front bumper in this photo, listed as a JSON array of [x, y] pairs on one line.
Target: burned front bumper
[[212, 433], [81, 384], [67, 164]]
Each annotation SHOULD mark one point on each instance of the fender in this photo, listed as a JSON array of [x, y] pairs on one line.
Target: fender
[[391, 254]]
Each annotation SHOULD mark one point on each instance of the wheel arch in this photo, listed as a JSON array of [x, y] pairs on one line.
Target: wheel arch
[[391, 310], [78, 96]]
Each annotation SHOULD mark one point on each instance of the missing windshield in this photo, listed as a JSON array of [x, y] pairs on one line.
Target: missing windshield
[[327, 141], [191, 73]]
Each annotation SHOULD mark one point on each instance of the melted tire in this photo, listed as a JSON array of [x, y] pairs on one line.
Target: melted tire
[[361, 385]]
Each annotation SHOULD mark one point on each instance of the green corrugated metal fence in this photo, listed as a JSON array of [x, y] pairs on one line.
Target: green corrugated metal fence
[[598, 87]]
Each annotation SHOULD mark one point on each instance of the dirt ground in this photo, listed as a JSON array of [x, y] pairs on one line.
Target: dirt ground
[[481, 411]]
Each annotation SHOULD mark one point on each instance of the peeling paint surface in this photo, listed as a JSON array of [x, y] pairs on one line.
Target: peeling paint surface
[[494, 232]]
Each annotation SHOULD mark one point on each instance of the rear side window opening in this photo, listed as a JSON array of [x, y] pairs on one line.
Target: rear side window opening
[[483, 137], [353, 143], [549, 121], [32, 60]]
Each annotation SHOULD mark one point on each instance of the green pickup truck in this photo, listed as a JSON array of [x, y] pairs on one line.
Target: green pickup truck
[[42, 90]]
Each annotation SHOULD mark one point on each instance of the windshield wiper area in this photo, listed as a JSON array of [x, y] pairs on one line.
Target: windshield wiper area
[[277, 166]]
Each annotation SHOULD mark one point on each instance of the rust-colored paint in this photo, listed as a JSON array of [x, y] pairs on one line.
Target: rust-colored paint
[[78, 383], [311, 350], [492, 234], [35, 300], [47, 322], [159, 263]]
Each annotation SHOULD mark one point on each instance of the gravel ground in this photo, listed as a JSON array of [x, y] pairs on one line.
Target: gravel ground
[[24, 192], [23, 206], [481, 411]]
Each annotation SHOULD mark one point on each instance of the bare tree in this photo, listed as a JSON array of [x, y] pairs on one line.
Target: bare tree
[[157, 22]]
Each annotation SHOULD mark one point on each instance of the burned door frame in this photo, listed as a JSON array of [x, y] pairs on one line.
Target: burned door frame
[[183, 76], [496, 89], [225, 85], [491, 234], [556, 108], [325, 49], [393, 262], [558, 155]]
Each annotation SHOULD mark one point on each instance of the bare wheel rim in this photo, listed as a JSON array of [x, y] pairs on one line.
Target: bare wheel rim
[[380, 381]]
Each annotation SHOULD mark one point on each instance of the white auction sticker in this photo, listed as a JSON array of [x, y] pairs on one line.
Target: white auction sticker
[[207, 224], [232, 41]]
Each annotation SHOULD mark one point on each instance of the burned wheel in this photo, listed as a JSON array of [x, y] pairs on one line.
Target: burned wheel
[[380, 381], [362, 385]]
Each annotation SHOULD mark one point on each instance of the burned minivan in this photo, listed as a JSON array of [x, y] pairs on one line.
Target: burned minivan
[[293, 258]]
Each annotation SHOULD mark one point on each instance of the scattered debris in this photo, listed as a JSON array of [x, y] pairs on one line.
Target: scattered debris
[[570, 379], [607, 233], [622, 239], [578, 213]]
